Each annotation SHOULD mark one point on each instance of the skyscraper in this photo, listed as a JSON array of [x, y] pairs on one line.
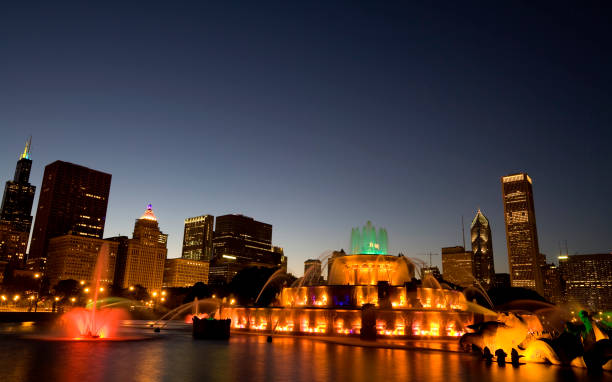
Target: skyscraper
[[197, 238], [458, 265], [482, 248], [73, 199], [142, 260], [524, 256], [587, 280], [19, 195], [240, 242]]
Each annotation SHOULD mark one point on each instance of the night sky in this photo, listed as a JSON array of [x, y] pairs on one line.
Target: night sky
[[318, 117]]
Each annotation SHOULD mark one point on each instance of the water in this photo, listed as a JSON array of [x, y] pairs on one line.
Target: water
[[174, 356]]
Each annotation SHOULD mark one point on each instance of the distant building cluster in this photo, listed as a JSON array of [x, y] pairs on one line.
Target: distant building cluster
[[583, 281], [67, 237]]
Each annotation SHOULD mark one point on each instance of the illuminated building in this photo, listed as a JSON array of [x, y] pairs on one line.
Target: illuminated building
[[19, 195], [13, 243], [431, 271], [588, 280], [197, 238], [524, 256], [16, 211], [552, 283], [240, 242], [73, 199], [74, 257], [482, 248], [312, 271], [458, 265], [181, 272], [141, 259]]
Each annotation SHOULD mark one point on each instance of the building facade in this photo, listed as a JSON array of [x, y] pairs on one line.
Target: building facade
[[524, 257], [587, 280], [16, 211], [19, 195], [74, 257], [73, 200], [241, 242], [433, 271], [553, 291], [313, 272], [142, 258], [197, 238], [181, 273], [482, 248], [458, 265], [13, 243]]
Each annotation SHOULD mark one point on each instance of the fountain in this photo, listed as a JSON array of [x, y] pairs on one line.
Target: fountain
[[367, 286], [93, 322]]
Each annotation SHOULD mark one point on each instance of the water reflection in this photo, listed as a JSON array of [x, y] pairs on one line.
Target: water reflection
[[176, 357]]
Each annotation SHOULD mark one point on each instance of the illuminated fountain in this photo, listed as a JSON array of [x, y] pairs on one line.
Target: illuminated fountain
[[367, 291], [93, 323]]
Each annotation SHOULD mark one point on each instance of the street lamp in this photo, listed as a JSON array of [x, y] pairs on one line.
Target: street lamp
[[131, 288]]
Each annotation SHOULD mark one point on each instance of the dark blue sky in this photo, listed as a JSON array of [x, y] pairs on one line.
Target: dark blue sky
[[318, 117]]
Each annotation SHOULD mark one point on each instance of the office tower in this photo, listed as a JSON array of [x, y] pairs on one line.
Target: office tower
[[74, 257], [524, 256], [433, 271], [13, 243], [141, 259], [587, 280], [16, 210], [240, 242], [312, 272], [180, 273], [552, 283], [197, 238], [73, 200], [482, 248], [458, 266], [19, 195]]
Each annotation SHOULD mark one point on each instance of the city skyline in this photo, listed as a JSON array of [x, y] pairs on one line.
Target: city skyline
[[316, 125], [503, 267]]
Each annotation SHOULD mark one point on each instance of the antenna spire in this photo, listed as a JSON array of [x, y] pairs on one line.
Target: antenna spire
[[26, 150]]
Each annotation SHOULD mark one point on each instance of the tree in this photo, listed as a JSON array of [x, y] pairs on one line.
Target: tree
[[199, 290], [67, 288], [248, 283], [140, 293]]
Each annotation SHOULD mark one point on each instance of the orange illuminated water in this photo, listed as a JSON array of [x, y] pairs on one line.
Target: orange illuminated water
[[94, 323]]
